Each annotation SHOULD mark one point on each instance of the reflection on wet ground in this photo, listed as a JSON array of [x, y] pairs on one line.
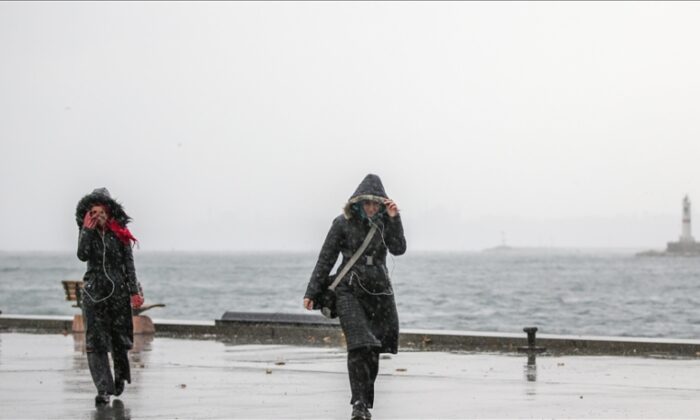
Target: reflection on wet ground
[[531, 368], [117, 411], [46, 376]]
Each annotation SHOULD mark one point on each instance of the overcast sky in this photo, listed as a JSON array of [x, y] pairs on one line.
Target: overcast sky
[[246, 126]]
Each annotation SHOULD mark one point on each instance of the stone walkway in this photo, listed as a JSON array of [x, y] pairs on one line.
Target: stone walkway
[[45, 376]]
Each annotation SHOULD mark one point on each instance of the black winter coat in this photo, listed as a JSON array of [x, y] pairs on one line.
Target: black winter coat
[[365, 300], [109, 281]]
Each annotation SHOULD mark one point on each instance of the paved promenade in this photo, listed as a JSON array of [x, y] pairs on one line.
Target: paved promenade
[[45, 376]]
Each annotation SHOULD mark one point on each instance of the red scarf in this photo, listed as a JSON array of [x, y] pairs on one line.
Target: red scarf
[[122, 232]]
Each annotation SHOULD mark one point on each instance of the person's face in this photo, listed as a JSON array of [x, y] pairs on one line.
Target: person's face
[[371, 208], [98, 213]]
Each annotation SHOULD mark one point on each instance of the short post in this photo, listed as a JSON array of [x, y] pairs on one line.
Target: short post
[[532, 351]]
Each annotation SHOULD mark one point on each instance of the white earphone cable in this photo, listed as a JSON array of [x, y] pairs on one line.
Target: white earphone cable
[[104, 269]]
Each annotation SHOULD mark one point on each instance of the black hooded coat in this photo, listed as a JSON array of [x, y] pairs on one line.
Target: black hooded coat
[[365, 297], [109, 281]]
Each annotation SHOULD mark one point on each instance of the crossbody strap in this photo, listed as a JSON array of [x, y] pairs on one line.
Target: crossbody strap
[[354, 257]]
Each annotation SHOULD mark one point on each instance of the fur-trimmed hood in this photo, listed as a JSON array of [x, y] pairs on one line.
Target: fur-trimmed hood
[[370, 188], [101, 196]]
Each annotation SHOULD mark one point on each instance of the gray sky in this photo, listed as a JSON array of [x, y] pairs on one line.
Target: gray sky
[[246, 126]]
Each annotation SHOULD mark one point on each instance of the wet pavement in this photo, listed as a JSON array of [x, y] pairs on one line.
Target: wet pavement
[[45, 376]]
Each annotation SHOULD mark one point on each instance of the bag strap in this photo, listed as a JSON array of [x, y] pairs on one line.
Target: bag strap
[[354, 257]]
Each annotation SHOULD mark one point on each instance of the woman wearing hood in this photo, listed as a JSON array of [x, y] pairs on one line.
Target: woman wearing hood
[[110, 289], [365, 298]]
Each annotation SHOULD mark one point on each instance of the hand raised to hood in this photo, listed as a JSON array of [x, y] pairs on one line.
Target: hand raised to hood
[[391, 208]]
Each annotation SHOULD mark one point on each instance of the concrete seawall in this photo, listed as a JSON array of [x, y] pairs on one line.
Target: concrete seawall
[[260, 328]]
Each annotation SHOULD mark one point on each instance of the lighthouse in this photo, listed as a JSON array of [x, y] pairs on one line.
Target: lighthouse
[[686, 244], [686, 233]]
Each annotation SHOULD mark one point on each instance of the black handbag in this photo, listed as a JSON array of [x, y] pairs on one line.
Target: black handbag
[[326, 300]]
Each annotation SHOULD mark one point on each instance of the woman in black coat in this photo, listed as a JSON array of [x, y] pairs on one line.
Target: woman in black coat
[[365, 298], [109, 291]]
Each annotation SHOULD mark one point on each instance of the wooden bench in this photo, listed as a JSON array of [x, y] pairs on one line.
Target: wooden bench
[[72, 289], [142, 323]]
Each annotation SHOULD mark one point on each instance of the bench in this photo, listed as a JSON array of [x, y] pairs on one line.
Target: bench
[[72, 289], [142, 324]]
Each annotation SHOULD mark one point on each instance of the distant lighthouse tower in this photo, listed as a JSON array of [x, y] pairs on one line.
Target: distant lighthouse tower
[[686, 233], [686, 245]]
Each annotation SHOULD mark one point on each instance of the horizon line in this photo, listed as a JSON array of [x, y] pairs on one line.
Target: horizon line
[[282, 251]]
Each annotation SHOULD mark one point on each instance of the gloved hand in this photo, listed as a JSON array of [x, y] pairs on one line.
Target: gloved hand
[[89, 221], [136, 301]]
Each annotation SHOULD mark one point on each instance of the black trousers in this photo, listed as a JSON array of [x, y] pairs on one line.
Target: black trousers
[[363, 366], [101, 372], [108, 324]]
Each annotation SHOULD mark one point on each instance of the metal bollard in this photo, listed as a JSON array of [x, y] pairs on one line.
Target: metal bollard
[[531, 344], [532, 350]]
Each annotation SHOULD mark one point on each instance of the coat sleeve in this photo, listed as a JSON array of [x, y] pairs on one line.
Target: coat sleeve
[[85, 243], [130, 271], [326, 260], [393, 236]]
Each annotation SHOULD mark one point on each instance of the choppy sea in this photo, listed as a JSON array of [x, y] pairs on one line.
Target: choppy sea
[[611, 293]]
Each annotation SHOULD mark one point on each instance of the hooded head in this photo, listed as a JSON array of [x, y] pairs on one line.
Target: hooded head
[[101, 196], [370, 189]]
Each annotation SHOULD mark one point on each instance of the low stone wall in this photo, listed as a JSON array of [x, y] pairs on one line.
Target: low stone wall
[[263, 328], [554, 344], [38, 324]]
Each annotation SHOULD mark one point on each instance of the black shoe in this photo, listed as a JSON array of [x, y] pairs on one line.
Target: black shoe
[[118, 387], [102, 398], [360, 411]]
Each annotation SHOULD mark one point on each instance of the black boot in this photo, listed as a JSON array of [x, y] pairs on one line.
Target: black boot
[[118, 387], [360, 411], [102, 398]]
